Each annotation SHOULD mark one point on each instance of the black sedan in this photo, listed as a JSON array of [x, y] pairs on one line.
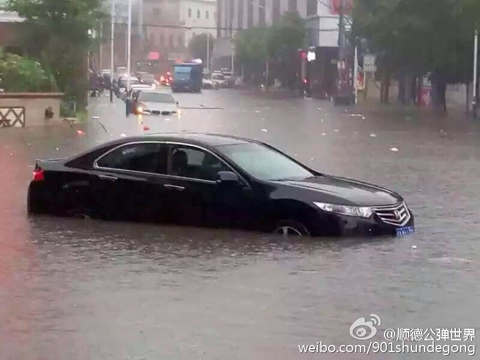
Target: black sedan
[[214, 180]]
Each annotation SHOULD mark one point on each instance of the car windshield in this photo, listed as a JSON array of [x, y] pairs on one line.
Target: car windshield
[[157, 97], [263, 162]]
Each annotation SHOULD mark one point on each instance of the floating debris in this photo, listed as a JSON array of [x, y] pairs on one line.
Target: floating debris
[[257, 111], [80, 132], [264, 130], [373, 135], [394, 149], [324, 134], [356, 115], [414, 246], [57, 148], [123, 135]]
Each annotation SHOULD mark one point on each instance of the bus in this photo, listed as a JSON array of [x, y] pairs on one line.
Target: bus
[[187, 77]]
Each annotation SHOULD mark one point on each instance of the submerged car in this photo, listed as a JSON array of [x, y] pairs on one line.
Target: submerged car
[[154, 102], [216, 180]]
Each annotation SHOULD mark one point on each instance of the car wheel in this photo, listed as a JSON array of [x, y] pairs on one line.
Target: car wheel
[[291, 228]]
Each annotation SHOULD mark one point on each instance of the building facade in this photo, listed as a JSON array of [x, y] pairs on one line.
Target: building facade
[[161, 29], [321, 18]]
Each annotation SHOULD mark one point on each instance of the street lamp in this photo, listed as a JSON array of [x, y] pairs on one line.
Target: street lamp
[[129, 43], [112, 42], [475, 66]]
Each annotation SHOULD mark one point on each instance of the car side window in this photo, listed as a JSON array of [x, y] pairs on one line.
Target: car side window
[[195, 163], [146, 157]]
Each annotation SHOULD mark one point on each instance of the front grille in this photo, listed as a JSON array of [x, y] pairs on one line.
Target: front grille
[[397, 215]]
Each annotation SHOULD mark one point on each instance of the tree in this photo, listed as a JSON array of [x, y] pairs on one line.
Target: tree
[[278, 44], [251, 50], [21, 74], [57, 33], [197, 46], [420, 37]]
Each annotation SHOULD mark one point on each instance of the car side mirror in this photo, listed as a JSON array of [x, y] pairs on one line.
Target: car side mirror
[[227, 178]]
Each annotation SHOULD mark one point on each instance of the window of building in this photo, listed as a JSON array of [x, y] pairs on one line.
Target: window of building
[[275, 11], [240, 14], [172, 41], [292, 5], [261, 12], [189, 12], [207, 15], [162, 40], [198, 14], [180, 40], [249, 13], [312, 7], [156, 12]]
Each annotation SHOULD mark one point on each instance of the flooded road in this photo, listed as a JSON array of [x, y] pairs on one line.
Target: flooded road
[[87, 289]]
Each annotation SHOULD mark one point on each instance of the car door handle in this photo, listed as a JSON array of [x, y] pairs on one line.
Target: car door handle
[[108, 177], [174, 187]]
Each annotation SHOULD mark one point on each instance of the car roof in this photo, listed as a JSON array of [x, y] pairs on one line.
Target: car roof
[[202, 139]]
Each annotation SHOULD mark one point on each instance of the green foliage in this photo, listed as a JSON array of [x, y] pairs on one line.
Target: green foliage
[[251, 45], [286, 36], [198, 46], [420, 36], [22, 74], [56, 32], [277, 44]]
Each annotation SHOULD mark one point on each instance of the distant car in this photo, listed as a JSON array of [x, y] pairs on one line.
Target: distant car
[[122, 83], [207, 82], [229, 79], [166, 79], [154, 102], [200, 179], [148, 79], [218, 79]]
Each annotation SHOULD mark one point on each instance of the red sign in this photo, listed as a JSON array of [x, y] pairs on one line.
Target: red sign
[[153, 55], [336, 6]]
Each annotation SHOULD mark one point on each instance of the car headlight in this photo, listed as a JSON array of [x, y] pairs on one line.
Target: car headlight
[[140, 109], [359, 211]]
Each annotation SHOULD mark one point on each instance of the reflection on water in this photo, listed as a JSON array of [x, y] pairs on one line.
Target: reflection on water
[[87, 289]]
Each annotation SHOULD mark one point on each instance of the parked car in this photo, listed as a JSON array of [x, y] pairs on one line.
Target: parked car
[[153, 102], [229, 79], [215, 180], [208, 83], [218, 79]]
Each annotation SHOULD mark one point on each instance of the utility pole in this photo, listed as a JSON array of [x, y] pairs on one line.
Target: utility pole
[[129, 44], [112, 42], [355, 74], [208, 52], [475, 67]]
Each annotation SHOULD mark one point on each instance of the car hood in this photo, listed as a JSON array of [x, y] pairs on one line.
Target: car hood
[[343, 191], [158, 106]]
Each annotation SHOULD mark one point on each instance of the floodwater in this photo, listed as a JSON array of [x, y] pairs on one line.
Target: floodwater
[[87, 289]]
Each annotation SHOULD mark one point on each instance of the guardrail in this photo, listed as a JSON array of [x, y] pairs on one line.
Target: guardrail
[[12, 116]]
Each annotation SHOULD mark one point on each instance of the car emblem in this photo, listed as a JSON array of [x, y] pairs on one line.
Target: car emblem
[[397, 214]]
